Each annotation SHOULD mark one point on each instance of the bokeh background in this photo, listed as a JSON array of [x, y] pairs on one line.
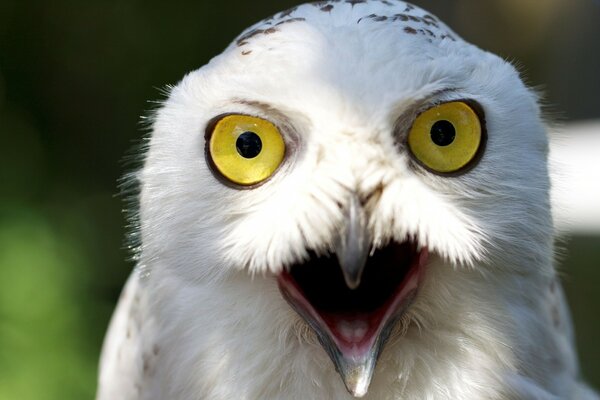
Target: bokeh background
[[75, 77]]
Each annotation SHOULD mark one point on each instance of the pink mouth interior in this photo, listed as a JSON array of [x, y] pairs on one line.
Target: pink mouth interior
[[354, 319]]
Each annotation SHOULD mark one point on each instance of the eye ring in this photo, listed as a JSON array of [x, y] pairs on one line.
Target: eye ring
[[243, 151], [469, 161]]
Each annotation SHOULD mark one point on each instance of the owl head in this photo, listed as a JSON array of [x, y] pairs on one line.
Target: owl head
[[344, 175]]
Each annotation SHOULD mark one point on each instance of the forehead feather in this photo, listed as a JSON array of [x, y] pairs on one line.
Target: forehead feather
[[358, 53], [359, 15], [344, 42]]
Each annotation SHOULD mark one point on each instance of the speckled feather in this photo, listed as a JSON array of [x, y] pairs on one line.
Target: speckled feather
[[201, 318]]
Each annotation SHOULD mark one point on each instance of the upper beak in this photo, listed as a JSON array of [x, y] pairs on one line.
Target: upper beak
[[352, 245]]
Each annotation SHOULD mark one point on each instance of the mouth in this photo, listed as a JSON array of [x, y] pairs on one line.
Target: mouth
[[354, 318]]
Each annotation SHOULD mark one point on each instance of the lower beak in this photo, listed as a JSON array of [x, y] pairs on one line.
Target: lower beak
[[356, 370]]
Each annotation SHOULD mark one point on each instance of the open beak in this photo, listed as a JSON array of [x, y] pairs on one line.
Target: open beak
[[353, 300]]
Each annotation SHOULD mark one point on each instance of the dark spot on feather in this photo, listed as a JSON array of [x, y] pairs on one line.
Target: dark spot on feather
[[555, 316], [288, 21], [145, 365], [448, 36], [380, 18], [321, 4], [243, 40], [368, 16], [408, 18], [430, 20], [288, 12], [327, 8], [355, 2], [148, 361]]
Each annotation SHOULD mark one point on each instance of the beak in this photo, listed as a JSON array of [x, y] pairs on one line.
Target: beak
[[357, 371], [352, 251], [353, 303], [352, 245]]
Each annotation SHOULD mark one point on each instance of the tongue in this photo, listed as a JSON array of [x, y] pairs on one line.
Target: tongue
[[354, 335], [351, 330], [354, 344]]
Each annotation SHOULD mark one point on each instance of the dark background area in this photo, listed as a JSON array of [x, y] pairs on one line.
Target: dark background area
[[75, 77]]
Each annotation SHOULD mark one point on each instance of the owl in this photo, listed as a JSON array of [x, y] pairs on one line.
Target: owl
[[350, 201]]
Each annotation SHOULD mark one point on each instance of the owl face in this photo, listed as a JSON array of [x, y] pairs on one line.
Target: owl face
[[357, 156]]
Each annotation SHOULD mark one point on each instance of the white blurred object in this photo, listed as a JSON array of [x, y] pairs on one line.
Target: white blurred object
[[575, 171]]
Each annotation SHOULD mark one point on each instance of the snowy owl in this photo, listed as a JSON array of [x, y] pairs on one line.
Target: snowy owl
[[349, 201]]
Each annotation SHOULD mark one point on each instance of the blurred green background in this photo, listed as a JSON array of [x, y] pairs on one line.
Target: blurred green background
[[75, 77]]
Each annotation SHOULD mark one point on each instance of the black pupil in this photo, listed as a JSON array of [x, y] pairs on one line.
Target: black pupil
[[443, 133], [248, 144]]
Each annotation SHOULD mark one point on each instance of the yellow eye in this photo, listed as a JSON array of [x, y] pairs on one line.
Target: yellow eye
[[447, 137], [246, 150]]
